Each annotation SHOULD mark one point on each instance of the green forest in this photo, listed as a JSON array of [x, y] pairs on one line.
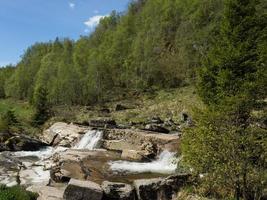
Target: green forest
[[155, 44], [219, 47]]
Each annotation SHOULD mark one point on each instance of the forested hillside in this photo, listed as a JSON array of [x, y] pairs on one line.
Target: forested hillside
[[206, 59], [154, 44]]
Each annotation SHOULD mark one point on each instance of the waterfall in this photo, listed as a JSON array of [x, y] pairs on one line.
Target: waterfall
[[90, 141], [165, 164]]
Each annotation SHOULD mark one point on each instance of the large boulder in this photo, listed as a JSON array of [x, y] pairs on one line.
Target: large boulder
[[63, 134], [140, 140], [117, 191], [133, 155], [160, 188], [156, 120], [103, 123], [156, 128], [47, 192], [9, 168], [83, 190], [15, 142], [82, 165]]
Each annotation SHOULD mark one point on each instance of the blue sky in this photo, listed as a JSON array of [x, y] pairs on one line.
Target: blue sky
[[24, 22]]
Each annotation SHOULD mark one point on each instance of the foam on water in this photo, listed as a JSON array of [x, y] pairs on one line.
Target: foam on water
[[90, 140], [41, 154], [37, 172], [34, 175], [165, 164]]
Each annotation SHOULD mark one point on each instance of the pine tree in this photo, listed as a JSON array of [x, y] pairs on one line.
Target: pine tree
[[227, 145], [42, 108], [8, 120], [231, 65]]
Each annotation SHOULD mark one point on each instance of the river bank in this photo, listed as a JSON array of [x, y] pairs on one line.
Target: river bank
[[97, 155]]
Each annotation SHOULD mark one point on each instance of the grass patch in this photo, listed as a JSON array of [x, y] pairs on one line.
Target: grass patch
[[22, 109], [163, 103], [16, 193], [141, 107], [23, 112]]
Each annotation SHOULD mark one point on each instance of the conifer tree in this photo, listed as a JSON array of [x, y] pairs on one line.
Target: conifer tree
[[231, 65], [42, 108], [227, 145]]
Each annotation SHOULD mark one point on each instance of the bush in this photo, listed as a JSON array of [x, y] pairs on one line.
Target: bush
[[230, 155], [8, 120], [16, 193]]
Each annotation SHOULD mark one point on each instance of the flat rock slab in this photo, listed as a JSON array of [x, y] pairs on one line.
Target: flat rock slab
[[83, 190], [117, 191], [47, 192], [63, 134], [82, 164], [160, 188], [122, 139]]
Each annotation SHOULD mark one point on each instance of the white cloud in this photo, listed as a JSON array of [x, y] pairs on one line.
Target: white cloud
[[86, 30], [71, 5], [94, 21], [96, 11], [4, 63]]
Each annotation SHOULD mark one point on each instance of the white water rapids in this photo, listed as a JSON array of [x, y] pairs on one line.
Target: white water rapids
[[91, 140], [165, 164], [36, 165]]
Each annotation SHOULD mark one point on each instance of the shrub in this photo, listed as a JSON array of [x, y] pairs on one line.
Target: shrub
[[16, 193]]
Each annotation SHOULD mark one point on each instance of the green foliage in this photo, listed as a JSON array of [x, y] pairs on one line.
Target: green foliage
[[42, 109], [156, 43], [230, 154], [227, 144], [10, 117], [234, 64], [21, 84], [8, 120], [16, 193], [5, 74], [24, 113]]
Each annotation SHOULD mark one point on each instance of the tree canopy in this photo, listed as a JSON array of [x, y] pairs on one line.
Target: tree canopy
[[154, 44]]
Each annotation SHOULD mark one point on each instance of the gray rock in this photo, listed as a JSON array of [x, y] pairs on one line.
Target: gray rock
[[63, 134], [81, 165], [133, 155], [159, 188], [15, 142], [103, 123], [120, 107], [117, 191], [129, 139], [83, 190], [147, 189], [156, 128], [184, 117], [156, 120], [47, 193]]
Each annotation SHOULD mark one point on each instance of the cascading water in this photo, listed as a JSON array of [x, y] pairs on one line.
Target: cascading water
[[91, 140], [165, 164], [36, 164]]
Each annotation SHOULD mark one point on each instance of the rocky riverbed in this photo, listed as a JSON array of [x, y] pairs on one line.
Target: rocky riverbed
[[94, 162]]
